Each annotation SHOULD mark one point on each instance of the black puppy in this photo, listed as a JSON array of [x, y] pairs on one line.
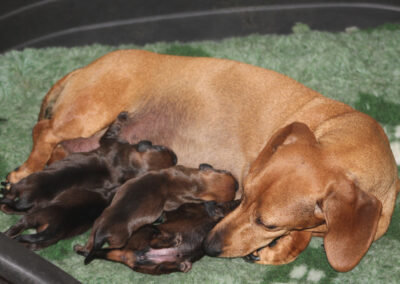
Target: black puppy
[[106, 167], [171, 246], [142, 200]]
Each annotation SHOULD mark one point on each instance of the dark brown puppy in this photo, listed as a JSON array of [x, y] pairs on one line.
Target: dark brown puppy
[[106, 167], [142, 200], [171, 246], [70, 213]]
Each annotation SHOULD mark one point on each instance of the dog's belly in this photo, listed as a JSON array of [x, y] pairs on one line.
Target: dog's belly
[[193, 142]]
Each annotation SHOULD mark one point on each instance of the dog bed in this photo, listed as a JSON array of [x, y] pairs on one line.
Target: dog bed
[[358, 67]]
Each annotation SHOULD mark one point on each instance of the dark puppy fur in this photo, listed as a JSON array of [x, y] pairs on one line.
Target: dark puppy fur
[[107, 167], [171, 246], [70, 213], [142, 200], [68, 206]]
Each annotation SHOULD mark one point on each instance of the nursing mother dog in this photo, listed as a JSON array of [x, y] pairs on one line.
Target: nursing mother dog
[[308, 165]]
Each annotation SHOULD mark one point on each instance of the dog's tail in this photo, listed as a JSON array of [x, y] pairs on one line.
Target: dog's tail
[[98, 242]]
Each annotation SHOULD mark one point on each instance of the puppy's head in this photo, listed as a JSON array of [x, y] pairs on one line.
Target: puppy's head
[[141, 157], [217, 185], [153, 157], [293, 185]]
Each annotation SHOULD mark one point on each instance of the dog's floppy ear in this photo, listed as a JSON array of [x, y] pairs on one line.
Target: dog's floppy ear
[[295, 132], [351, 217]]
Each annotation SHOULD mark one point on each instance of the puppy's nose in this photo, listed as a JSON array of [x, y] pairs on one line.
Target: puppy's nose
[[144, 145], [205, 166]]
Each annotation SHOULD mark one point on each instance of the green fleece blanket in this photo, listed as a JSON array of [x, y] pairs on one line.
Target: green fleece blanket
[[361, 68]]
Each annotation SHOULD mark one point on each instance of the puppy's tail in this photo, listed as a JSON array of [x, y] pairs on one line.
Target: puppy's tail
[[98, 242]]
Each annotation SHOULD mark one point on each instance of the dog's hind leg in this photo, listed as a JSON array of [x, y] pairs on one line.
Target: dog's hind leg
[[44, 141]]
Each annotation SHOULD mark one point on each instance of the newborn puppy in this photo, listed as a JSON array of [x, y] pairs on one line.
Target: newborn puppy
[[74, 210], [70, 213], [107, 167], [171, 246], [142, 200]]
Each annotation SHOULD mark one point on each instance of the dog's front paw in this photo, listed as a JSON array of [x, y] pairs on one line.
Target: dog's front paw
[[252, 257]]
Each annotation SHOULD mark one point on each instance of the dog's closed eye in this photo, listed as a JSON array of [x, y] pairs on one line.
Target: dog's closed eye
[[269, 227]]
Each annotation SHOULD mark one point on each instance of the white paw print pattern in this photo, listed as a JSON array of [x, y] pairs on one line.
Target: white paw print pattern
[[313, 275], [396, 151]]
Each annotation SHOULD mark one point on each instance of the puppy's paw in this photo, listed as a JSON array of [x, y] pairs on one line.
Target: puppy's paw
[[185, 266], [81, 250]]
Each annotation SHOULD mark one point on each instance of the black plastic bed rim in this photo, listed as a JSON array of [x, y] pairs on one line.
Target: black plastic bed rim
[[42, 23], [20, 265]]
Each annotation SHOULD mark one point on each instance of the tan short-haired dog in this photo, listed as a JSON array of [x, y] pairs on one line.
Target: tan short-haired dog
[[332, 174]]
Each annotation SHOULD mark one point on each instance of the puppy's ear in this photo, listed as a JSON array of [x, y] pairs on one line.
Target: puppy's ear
[[351, 217], [295, 132], [220, 210], [213, 210]]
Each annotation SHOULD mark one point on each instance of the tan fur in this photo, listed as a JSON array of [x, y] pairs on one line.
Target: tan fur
[[286, 250], [223, 112]]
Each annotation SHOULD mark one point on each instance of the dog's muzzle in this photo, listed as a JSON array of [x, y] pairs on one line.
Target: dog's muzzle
[[251, 257]]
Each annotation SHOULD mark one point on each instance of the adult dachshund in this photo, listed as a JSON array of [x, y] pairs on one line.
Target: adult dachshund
[[327, 169]]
